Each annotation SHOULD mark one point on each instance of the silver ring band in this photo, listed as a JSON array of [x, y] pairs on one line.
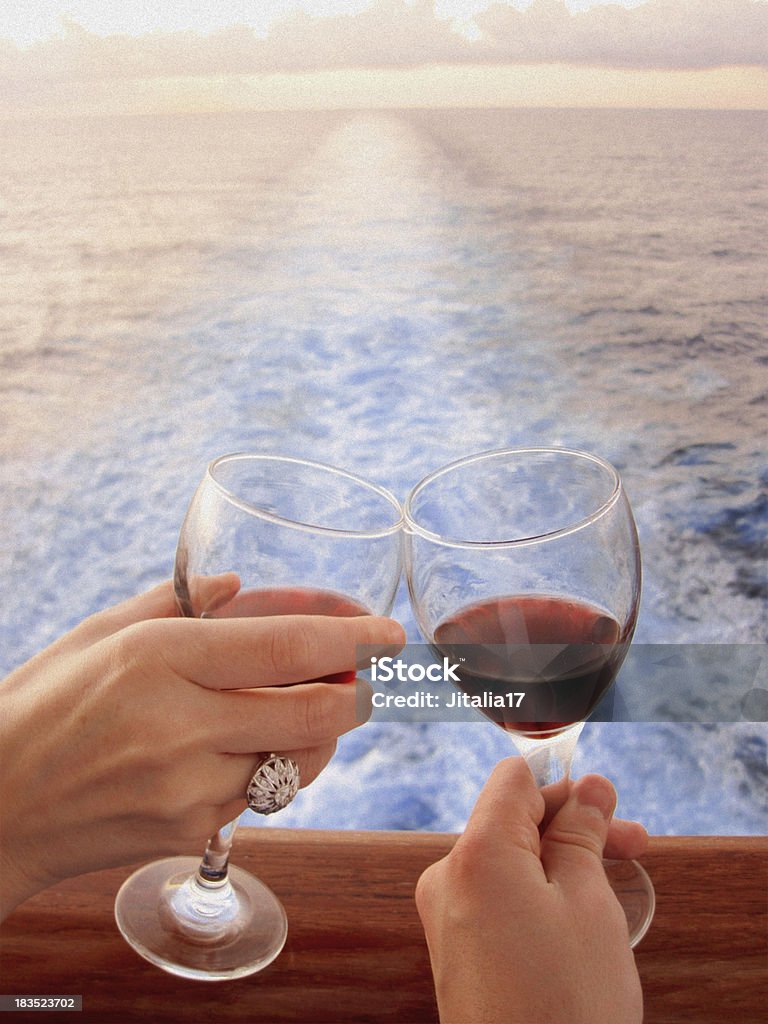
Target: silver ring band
[[274, 783]]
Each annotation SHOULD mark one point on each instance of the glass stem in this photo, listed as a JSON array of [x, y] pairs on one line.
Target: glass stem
[[215, 862], [550, 758]]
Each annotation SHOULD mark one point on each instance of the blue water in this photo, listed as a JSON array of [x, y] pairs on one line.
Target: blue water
[[387, 292]]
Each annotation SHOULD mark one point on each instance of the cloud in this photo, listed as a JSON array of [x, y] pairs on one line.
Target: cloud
[[389, 34], [658, 34], [397, 34]]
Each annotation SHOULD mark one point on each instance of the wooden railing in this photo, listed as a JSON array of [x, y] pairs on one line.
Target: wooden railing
[[356, 952]]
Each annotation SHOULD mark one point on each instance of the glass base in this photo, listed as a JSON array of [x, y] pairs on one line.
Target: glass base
[[207, 931], [634, 891]]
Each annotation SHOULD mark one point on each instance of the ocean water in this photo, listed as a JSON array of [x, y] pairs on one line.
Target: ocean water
[[387, 291]]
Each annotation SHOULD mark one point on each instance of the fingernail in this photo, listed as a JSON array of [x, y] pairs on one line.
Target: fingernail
[[337, 677], [597, 793]]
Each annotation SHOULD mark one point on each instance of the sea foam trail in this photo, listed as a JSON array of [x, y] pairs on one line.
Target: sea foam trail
[[387, 292]]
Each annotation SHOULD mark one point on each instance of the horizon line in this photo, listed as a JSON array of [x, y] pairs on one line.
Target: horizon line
[[35, 115]]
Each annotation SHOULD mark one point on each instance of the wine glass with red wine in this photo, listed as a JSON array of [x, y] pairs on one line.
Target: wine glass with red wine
[[264, 535], [523, 568]]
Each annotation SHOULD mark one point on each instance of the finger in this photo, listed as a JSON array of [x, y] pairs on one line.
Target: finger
[[245, 653], [312, 761], [506, 817], [285, 717], [197, 800], [555, 795], [627, 840], [572, 846], [232, 772]]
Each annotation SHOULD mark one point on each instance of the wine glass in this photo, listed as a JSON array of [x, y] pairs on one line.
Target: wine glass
[[280, 535], [523, 567]]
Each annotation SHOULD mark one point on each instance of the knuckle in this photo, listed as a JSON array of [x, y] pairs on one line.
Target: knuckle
[[135, 646], [575, 838], [142, 654], [462, 861], [290, 649], [320, 714], [427, 888], [122, 650], [95, 624], [483, 843]]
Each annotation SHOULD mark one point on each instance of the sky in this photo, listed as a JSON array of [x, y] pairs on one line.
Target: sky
[[109, 56]]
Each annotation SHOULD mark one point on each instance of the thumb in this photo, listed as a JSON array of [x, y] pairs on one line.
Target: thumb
[[157, 603], [572, 845]]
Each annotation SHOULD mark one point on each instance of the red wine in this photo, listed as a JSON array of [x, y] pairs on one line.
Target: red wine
[[288, 601], [560, 652], [293, 601]]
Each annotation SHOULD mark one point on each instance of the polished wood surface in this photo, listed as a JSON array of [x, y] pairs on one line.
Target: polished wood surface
[[355, 950]]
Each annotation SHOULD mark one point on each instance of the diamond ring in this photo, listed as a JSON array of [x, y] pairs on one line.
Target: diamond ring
[[274, 783]]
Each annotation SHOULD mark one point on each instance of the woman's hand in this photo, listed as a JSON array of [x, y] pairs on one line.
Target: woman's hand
[[136, 734], [522, 924]]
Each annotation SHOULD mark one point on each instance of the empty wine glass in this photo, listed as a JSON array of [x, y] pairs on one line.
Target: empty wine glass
[[523, 567], [284, 536]]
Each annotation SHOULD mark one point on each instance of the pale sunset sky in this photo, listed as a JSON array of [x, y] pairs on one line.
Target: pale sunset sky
[[113, 56]]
